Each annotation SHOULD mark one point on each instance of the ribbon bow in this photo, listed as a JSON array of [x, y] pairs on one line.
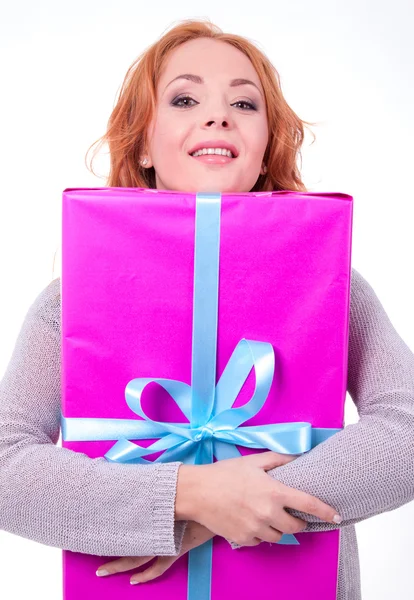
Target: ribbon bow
[[220, 432]]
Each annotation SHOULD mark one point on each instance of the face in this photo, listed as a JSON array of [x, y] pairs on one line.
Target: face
[[211, 106]]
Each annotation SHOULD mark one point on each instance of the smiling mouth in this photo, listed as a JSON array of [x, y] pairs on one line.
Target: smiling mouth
[[213, 159]]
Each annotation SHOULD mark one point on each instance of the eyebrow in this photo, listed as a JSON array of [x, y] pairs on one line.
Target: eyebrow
[[198, 79]]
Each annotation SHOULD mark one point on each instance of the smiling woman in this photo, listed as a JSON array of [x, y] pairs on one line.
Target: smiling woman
[[198, 88], [202, 110]]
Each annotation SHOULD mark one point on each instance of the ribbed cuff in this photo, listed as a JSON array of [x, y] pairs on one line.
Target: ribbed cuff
[[168, 533]]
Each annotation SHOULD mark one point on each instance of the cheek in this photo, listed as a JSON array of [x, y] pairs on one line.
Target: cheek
[[255, 136], [168, 135], [260, 135]]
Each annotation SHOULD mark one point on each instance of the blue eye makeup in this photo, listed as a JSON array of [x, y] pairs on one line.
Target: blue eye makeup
[[176, 101]]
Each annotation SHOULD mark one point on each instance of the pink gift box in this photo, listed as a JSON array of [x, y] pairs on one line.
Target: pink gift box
[[127, 312]]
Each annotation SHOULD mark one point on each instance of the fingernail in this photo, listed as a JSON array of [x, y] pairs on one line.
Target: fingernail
[[134, 582], [337, 519], [102, 572]]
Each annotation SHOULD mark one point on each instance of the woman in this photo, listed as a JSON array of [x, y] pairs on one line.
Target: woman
[[194, 88]]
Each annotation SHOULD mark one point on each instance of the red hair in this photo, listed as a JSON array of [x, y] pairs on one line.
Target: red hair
[[126, 133]]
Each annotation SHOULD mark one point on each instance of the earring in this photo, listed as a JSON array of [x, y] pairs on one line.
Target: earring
[[264, 169], [144, 162]]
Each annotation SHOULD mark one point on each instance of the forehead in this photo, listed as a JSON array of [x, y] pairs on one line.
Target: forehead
[[211, 59]]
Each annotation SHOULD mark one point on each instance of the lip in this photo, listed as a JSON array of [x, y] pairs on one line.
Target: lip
[[213, 159], [215, 144]]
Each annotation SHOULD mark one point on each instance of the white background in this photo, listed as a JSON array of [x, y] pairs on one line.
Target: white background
[[346, 64]]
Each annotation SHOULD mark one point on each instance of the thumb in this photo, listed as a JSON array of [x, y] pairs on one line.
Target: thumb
[[269, 460]]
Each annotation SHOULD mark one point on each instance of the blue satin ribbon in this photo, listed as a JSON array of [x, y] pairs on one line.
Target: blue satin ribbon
[[214, 425]]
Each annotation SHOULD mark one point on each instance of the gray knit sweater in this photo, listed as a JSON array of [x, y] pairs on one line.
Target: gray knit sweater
[[66, 499]]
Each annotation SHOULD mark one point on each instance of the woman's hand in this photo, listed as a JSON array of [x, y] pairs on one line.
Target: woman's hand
[[236, 499], [194, 535]]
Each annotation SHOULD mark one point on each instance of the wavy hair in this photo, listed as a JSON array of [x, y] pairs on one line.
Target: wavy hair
[[127, 128]]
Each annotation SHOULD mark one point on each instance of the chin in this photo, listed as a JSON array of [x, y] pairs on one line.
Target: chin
[[219, 188]]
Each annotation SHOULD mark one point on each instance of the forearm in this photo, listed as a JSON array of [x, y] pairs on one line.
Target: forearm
[[63, 498], [368, 467], [60, 498], [362, 471]]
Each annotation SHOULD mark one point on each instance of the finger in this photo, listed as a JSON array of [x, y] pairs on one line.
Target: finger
[[310, 505], [287, 523], [270, 534], [269, 460], [252, 542], [155, 570], [120, 565]]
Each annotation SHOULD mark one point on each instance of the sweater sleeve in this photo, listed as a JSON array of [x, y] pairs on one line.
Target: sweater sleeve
[[63, 498], [368, 467]]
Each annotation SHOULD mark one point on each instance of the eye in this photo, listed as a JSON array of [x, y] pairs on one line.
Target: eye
[[179, 103], [249, 104], [181, 99]]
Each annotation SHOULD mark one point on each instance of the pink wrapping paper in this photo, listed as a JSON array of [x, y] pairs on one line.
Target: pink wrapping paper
[[127, 293]]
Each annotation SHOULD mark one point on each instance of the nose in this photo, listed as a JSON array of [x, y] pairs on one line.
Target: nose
[[219, 123], [218, 115]]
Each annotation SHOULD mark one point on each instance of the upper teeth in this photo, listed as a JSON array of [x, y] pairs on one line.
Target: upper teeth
[[222, 151]]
